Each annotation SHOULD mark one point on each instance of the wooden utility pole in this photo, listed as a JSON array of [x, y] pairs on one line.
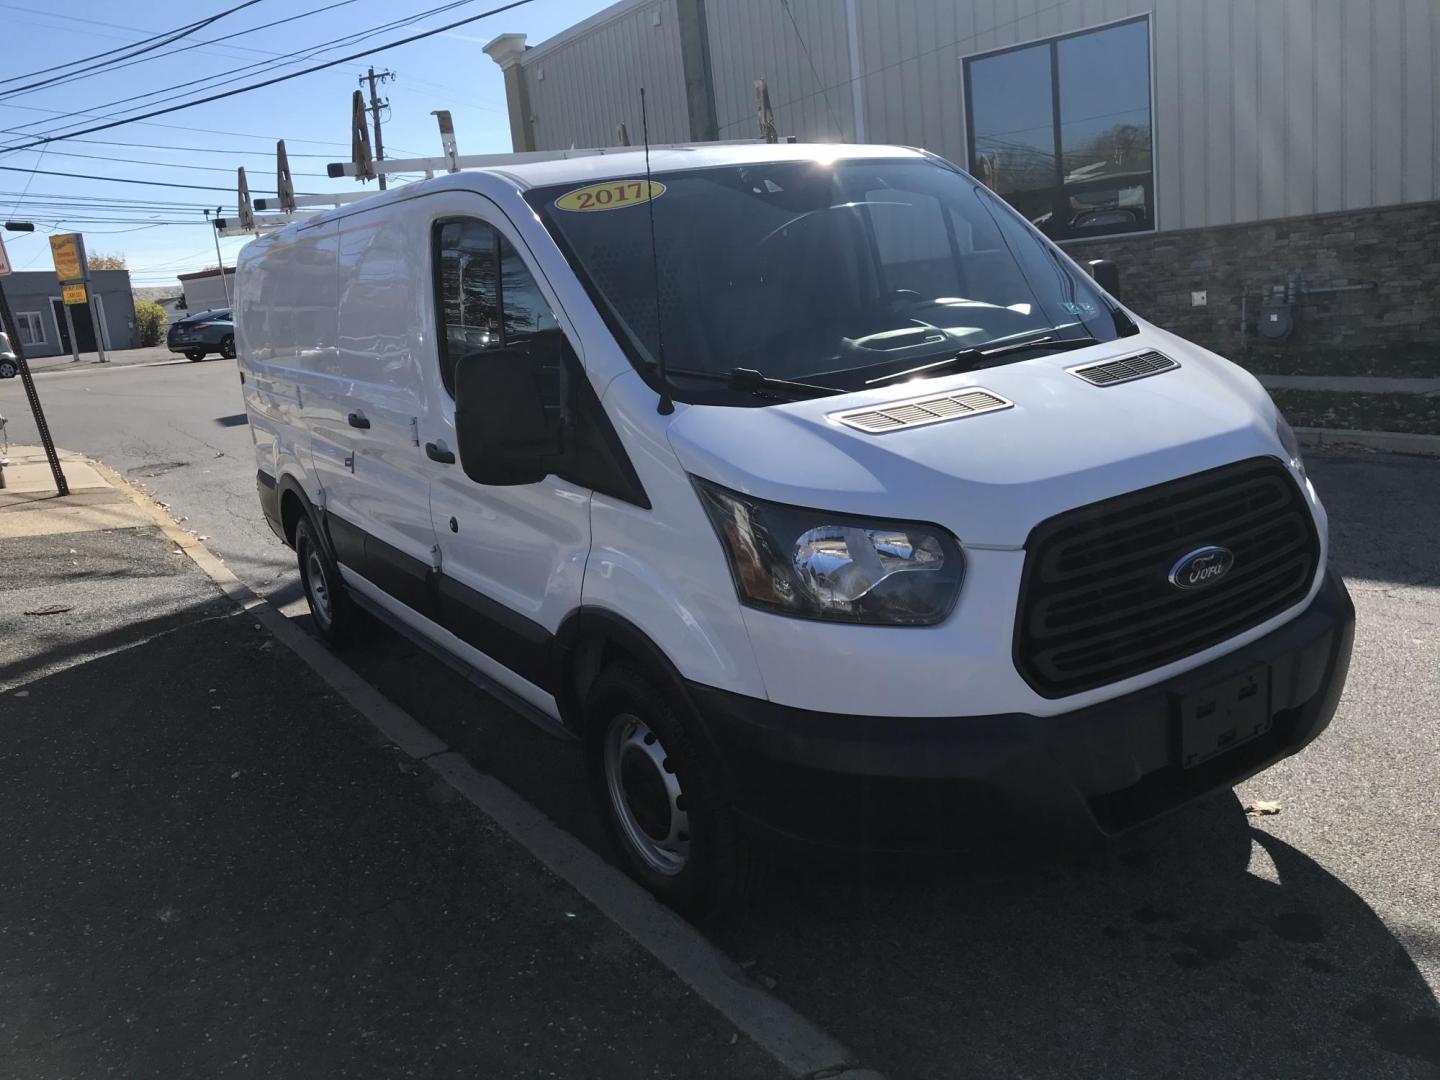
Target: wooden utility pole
[[375, 106]]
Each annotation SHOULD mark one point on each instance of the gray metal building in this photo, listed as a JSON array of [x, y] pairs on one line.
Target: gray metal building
[[40, 314], [1172, 135]]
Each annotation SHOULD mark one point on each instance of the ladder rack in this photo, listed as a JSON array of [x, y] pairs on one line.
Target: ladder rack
[[287, 207]]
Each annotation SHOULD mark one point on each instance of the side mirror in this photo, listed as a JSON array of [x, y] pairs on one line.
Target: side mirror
[[506, 417], [1106, 275]]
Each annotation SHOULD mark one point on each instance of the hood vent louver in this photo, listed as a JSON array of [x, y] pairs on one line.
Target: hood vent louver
[[1126, 369], [917, 412]]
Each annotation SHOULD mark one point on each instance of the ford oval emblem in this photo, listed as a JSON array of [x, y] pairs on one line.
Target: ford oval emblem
[[1202, 567]]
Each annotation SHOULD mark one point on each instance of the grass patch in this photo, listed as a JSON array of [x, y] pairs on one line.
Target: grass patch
[[1417, 414]]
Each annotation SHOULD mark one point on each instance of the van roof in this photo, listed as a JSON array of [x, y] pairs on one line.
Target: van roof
[[679, 158], [590, 167]]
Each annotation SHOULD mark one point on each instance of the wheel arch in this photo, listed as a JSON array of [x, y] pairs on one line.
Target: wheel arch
[[592, 638]]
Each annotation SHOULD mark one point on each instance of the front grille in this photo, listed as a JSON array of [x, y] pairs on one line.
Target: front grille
[[1096, 604]]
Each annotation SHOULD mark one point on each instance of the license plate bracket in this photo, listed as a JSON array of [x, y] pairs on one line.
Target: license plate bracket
[[1225, 715]]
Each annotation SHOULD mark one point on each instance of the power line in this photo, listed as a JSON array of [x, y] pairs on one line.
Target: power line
[[188, 149], [157, 41], [235, 74], [125, 180], [170, 164], [814, 71], [173, 127], [77, 76], [277, 79]]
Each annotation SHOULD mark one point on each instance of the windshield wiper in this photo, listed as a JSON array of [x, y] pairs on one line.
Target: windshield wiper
[[968, 358], [757, 382]]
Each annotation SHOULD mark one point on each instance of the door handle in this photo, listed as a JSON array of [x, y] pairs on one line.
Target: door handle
[[356, 420], [434, 453]]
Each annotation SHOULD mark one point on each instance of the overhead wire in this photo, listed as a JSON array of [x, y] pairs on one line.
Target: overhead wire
[[127, 180], [174, 127], [169, 56], [814, 71], [157, 41], [168, 164], [273, 81], [211, 82]]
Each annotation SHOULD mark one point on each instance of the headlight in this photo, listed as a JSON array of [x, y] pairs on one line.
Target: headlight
[[817, 565], [1290, 441]]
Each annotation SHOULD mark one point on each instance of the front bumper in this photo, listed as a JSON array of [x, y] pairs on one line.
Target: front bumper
[[937, 783]]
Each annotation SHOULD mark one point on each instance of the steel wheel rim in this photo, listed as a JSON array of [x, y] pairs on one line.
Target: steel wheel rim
[[318, 587], [642, 791]]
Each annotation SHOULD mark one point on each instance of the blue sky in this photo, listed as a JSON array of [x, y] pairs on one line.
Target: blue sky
[[311, 113]]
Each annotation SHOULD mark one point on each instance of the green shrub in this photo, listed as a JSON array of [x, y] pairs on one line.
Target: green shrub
[[150, 322]]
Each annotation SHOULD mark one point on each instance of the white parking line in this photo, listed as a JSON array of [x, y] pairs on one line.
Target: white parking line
[[799, 1046]]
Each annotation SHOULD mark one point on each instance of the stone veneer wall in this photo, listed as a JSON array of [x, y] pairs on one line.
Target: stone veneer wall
[[1393, 329]]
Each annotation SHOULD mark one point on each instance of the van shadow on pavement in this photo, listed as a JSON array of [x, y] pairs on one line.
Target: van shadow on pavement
[[1201, 948], [212, 865], [1198, 947]]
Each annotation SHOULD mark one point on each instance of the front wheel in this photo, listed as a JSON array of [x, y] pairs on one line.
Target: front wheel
[[337, 620], [662, 799], [8, 369], [227, 347]]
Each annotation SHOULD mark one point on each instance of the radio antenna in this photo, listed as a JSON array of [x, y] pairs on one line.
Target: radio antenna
[[666, 406]]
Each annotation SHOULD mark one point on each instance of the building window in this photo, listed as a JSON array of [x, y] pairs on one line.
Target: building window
[[32, 330], [1061, 130]]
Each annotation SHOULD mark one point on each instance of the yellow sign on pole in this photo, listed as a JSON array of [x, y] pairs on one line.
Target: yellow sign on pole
[[68, 250], [75, 294]]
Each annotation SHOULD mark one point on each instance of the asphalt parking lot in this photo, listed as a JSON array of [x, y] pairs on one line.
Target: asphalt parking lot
[[1300, 944]]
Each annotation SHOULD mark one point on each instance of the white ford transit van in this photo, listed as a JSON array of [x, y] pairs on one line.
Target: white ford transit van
[[811, 487]]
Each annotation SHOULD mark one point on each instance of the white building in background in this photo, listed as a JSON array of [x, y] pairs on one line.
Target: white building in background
[[207, 289]]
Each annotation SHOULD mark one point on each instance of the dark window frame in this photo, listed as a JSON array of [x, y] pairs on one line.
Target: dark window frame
[[1057, 190]]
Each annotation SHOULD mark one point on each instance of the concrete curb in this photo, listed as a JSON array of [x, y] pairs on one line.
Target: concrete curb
[[796, 1044], [1395, 442]]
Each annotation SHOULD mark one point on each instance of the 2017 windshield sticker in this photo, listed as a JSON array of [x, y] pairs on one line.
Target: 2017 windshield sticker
[[612, 195]]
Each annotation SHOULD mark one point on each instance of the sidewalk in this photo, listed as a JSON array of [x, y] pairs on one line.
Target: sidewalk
[[212, 863], [156, 354]]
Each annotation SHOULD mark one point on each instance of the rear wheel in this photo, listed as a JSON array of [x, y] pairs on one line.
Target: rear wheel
[[661, 797], [227, 346], [8, 369], [337, 620], [194, 354]]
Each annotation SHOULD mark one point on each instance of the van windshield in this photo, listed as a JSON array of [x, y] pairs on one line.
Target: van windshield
[[823, 273]]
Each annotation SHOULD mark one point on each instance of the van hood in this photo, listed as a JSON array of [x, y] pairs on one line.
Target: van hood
[[991, 477]]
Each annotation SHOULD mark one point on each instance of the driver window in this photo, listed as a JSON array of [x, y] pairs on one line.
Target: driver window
[[467, 292], [486, 298]]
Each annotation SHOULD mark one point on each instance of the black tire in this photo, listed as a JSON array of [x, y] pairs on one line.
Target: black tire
[[227, 346], [194, 355], [720, 870], [8, 369], [338, 622]]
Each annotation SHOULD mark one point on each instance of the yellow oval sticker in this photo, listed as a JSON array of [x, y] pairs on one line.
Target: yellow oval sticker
[[611, 195]]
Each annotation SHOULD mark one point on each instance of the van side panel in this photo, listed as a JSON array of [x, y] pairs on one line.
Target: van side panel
[[663, 569], [266, 355], [375, 474]]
